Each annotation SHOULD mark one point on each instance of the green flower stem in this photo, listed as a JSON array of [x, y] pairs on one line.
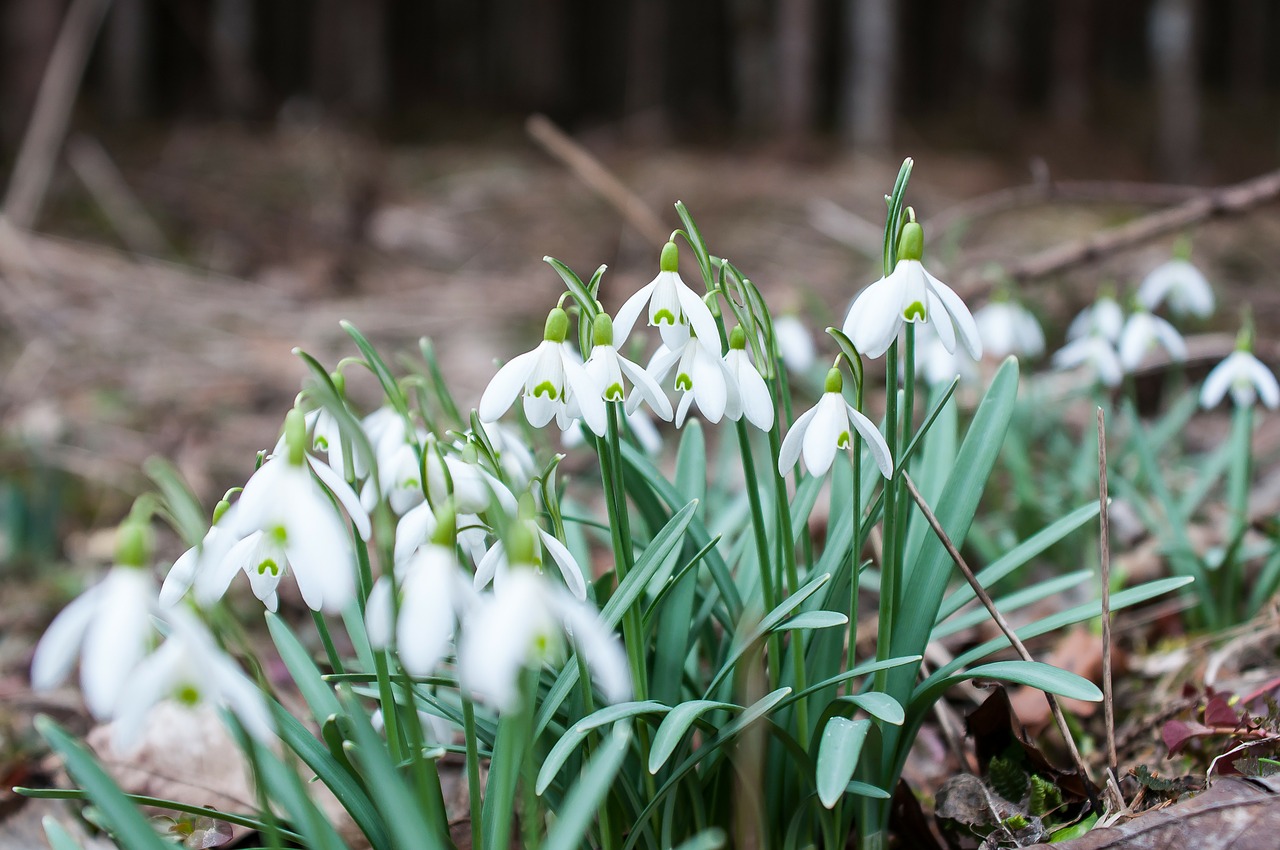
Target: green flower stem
[[386, 696], [787, 538], [425, 776], [889, 563], [510, 749], [855, 451], [762, 548], [473, 771], [1238, 504], [331, 651]]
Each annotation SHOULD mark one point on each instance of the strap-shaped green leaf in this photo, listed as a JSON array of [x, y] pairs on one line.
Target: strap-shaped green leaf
[[574, 735], [812, 620], [1037, 674], [315, 691], [574, 816], [674, 726], [880, 706], [838, 752]]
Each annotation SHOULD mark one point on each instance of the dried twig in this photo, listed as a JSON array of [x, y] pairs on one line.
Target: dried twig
[[1003, 624], [602, 181], [124, 212], [1104, 549]]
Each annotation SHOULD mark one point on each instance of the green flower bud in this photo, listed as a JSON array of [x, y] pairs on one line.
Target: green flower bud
[[602, 330], [911, 242], [670, 261], [557, 327], [134, 544], [738, 339], [295, 436], [834, 382]]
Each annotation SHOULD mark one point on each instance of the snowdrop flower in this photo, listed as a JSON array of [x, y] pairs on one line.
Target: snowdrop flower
[[757, 401], [474, 487], [108, 627], [522, 624], [909, 294], [1144, 331], [1102, 318], [701, 376], [672, 305], [1007, 327], [1244, 375], [826, 427], [1094, 351], [795, 345], [300, 529], [1182, 285], [547, 376], [518, 463], [395, 448], [419, 525], [495, 566], [193, 563], [936, 364], [191, 669], [607, 368], [434, 592]]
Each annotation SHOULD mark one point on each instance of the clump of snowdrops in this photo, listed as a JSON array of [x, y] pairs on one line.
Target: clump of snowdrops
[[654, 660]]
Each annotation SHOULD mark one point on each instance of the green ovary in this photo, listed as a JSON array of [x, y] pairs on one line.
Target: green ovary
[[188, 695]]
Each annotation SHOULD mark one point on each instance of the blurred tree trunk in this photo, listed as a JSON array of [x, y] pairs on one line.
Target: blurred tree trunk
[[1172, 35], [1069, 83], [647, 56], [349, 56], [754, 77], [872, 48], [995, 43], [126, 56], [1248, 50], [797, 40], [28, 29], [233, 34]]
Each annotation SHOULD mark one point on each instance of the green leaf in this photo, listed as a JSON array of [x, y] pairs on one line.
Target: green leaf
[[574, 735], [1037, 674], [183, 505], [838, 752], [293, 797], [813, 620], [125, 821], [575, 814], [674, 726], [315, 691], [379, 368], [709, 839], [1014, 602], [59, 838], [866, 789], [880, 706], [576, 288], [741, 643]]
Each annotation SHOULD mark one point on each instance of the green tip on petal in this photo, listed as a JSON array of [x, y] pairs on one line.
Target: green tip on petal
[[738, 339], [220, 509], [520, 544], [133, 544], [834, 382], [446, 533], [602, 330], [914, 311], [670, 261], [557, 327], [295, 436], [911, 242]]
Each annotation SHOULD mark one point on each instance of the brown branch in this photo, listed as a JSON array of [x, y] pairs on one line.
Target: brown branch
[[990, 605], [1104, 550], [599, 179]]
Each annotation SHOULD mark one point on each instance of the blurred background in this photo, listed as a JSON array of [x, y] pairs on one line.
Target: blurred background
[[193, 187]]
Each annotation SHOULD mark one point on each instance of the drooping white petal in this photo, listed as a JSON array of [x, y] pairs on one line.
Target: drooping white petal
[[506, 385], [1264, 381], [875, 441], [487, 569], [940, 322], [795, 345], [569, 569], [682, 409], [789, 453], [426, 621], [829, 426], [413, 529], [379, 614], [709, 387], [1182, 285], [600, 648], [647, 388], [757, 403], [116, 638], [697, 314], [59, 647], [959, 313], [631, 309], [215, 573], [589, 396], [180, 577], [875, 318], [151, 682], [645, 432], [345, 496]]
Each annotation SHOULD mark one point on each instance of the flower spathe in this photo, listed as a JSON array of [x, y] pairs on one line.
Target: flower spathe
[[1181, 285], [909, 294], [673, 306], [1245, 377], [828, 426], [546, 377]]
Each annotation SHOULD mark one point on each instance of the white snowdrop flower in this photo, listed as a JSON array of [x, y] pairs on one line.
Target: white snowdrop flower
[[607, 369], [396, 448], [1180, 284], [937, 365], [826, 427], [672, 305], [190, 669], [1102, 318], [757, 401], [909, 294], [302, 532], [547, 376], [522, 624], [1007, 327], [795, 345], [434, 592], [108, 628], [701, 376], [518, 462], [474, 487], [1143, 332], [195, 562], [1094, 351], [1247, 379], [495, 566]]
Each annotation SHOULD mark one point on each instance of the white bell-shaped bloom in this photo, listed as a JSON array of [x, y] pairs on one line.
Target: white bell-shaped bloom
[[517, 461], [474, 487], [194, 562], [108, 628], [494, 566], [673, 306], [795, 344], [701, 377], [608, 369], [1094, 351], [1143, 332], [522, 624], [828, 426], [1102, 318], [909, 294], [434, 593], [1245, 377], [396, 448], [190, 669], [1182, 285], [937, 365], [757, 401], [1008, 328], [546, 377]]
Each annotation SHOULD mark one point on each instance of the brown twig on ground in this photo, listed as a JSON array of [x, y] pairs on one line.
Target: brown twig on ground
[[591, 171], [1000, 621], [43, 139], [112, 193], [1104, 550]]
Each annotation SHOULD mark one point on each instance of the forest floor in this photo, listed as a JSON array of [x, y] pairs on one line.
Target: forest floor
[[266, 240]]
